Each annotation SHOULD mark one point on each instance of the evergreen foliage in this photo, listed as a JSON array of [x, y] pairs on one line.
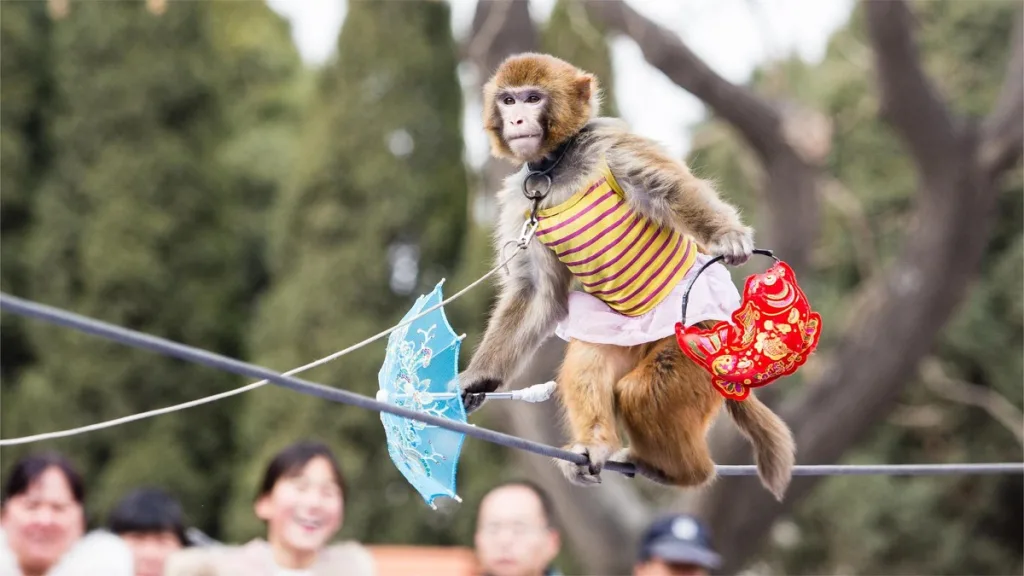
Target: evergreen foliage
[[24, 67], [139, 223], [375, 216]]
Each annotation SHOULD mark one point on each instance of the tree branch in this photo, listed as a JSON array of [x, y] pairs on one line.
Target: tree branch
[[902, 309], [792, 173], [665, 51], [998, 407], [1003, 129], [852, 210], [910, 103]]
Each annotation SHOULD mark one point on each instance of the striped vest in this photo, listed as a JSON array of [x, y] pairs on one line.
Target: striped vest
[[618, 255]]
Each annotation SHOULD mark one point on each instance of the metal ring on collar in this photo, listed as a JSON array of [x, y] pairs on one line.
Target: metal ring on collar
[[538, 196]]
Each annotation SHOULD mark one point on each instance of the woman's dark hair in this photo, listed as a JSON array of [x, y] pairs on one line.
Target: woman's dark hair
[[292, 459], [149, 511], [29, 468]]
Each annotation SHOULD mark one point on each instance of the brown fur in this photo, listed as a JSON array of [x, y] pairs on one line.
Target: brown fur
[[573, 94], [663, 400]]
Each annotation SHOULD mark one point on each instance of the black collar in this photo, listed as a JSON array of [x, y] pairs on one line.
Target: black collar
[[546, 164]]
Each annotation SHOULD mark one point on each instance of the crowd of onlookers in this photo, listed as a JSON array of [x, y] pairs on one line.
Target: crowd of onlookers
[[301, 500]]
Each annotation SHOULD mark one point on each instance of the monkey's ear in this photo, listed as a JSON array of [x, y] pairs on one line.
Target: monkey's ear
[[584, 85]]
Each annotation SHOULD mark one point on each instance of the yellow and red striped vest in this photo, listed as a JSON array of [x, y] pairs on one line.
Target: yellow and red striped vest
[[619, 255]]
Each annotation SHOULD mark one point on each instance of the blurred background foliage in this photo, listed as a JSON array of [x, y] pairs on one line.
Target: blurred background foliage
[[185, 174]]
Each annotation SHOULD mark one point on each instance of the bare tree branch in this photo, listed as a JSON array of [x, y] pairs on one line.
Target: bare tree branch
[[1003, 130], [910, 103], [844, 200], [491, 19], [792, 175], [905, 307], [998, 407], [500, 28], [665, 51]]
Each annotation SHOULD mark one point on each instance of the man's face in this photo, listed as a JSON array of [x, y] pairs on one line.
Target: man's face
[[658, 567], [150, 550], [512, 536]]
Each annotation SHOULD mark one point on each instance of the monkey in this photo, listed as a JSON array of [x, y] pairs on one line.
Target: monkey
[[616, 215]]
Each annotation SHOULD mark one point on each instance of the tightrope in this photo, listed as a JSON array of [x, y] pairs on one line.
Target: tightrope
[[519, 244], [168, 348]]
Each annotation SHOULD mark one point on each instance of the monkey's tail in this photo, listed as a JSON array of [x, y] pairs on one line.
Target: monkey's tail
[[774, 447]]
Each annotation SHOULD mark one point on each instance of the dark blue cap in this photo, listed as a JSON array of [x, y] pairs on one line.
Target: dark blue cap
[[679, 539]]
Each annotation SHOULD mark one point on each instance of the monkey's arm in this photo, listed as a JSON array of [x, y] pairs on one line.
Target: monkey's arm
[[532, 299], [665, 190]]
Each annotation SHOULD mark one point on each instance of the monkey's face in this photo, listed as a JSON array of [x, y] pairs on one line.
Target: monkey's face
[[534, 103], [523, 112]]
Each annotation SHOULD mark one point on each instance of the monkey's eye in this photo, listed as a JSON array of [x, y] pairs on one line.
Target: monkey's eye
[[533, 99], [509, 101]]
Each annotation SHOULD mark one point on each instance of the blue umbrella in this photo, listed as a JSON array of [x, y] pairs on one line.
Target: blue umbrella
[[420, 372]]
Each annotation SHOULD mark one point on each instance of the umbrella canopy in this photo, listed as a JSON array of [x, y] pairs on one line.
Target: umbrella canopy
[[420, 372]]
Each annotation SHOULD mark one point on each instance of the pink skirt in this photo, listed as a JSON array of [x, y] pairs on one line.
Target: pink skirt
[[713, 297]]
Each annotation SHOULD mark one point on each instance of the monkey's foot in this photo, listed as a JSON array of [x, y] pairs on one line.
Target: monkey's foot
[[626, 456], [590, 473]]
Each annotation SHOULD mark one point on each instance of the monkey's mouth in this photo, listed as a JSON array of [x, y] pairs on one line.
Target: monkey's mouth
[[523, 137]]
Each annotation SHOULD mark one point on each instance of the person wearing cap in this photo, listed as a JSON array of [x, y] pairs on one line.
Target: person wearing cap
[[678, 545]]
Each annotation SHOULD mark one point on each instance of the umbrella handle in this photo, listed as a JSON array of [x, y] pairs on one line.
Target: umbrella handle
[[693, 280], [533, 394]]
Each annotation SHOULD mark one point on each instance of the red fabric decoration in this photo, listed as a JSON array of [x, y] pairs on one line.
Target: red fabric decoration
[[771, 335]]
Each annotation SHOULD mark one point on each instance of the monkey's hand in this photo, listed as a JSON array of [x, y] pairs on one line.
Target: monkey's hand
[[735, 243], [474, 386]]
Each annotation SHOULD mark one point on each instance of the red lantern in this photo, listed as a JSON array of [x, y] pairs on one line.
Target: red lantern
[[771, 334]]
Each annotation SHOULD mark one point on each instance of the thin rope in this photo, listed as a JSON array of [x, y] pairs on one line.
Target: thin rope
[[168, 348], [519, 245]]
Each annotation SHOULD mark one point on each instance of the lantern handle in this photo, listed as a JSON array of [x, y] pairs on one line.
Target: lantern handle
[[693, 280]]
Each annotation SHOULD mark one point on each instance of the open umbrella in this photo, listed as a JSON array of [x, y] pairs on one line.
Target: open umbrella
[[420, 372]]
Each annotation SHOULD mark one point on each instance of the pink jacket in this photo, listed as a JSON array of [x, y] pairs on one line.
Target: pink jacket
[[256, 559]]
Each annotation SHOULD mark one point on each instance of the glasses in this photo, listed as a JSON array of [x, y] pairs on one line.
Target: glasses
[[516, 529]]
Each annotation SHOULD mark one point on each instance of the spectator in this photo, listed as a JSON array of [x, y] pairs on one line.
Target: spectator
[[302, 501], [515, 535], [43, 522], [151, 522], [678, 545]]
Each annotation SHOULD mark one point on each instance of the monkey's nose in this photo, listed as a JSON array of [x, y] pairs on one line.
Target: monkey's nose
[[517, 121]]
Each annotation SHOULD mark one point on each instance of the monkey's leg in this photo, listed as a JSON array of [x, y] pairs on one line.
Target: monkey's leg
[[667, 404], [585, 384]]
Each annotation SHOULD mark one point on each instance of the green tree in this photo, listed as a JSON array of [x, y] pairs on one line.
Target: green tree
[[888, 525], [134, 225], [375, 216], [24, 66], [571, 35], [265, 87]]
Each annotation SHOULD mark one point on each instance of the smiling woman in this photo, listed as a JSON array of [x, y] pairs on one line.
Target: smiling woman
[[302, 501], [43, 524]]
